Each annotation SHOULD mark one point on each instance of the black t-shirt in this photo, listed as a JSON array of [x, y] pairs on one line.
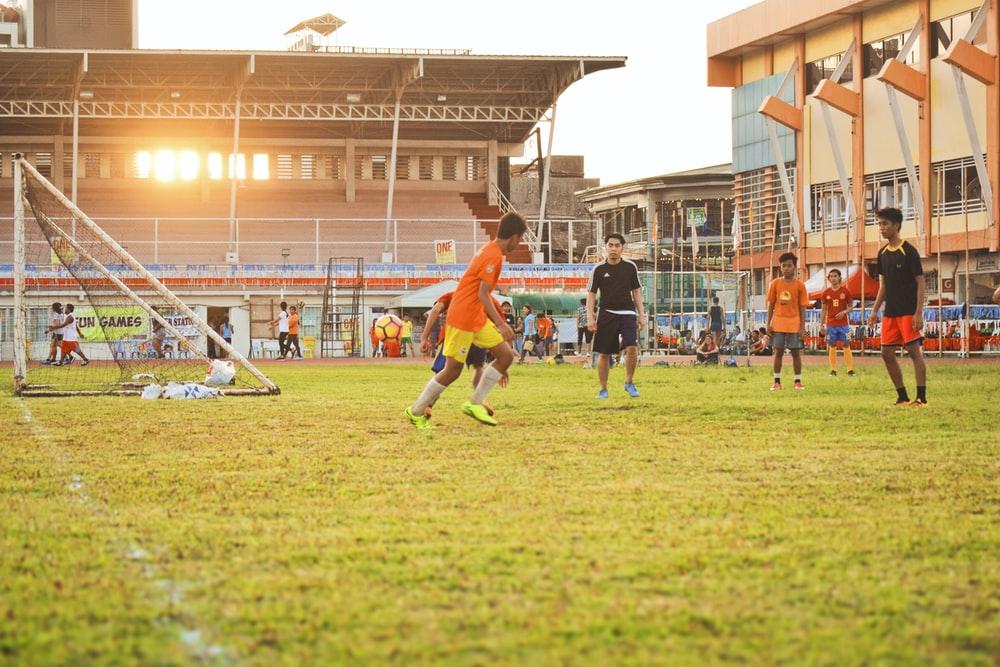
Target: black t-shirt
[[899, 268], [615, 283], [715, 316]]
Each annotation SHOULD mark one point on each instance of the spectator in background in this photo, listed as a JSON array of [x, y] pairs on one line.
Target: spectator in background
[[707, 351], [530, 335], [553, 346], [519, 334], [282, 321], [716, 322], [544, 325], [762, 343], [686, 343], [226, 332], [54, 328], [293, 333], [584, 336], [406, 340]]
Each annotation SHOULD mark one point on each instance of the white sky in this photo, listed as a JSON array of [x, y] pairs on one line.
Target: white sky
[[654, 116]]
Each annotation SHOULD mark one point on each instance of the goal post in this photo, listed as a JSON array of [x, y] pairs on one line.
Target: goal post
[[129, 317]]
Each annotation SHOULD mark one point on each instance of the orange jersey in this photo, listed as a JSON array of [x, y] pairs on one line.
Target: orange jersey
[[293, 324], [466, 311], [787, 296], [837, 300], [544, 327]]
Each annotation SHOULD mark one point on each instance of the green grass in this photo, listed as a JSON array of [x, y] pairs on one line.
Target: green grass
[[709, 521]]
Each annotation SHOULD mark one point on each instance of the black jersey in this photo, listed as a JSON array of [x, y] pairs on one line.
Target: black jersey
[[899, 268], [615, 283]]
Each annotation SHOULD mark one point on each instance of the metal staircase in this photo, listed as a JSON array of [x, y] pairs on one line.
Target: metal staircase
[[340, 326]]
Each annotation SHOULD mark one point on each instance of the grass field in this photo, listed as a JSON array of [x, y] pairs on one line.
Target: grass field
[[709, 521]]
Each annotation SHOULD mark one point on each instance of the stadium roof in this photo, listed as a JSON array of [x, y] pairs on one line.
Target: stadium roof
[[337, 93], [325, 24]]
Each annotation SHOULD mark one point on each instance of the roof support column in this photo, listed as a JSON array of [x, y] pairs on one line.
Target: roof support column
[[245, 73], [349, 170], [492, 151], [80, 73], [776, 111], [386, 255], [545, 180]]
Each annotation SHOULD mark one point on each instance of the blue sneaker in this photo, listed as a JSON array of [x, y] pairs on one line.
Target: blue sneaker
[[602, 393], [632, 391]]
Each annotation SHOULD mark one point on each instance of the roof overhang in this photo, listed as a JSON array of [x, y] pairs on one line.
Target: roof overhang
[[343, 93], [719, 176]]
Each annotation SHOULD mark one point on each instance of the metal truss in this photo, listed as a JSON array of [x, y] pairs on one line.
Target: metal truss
[[257, 111]]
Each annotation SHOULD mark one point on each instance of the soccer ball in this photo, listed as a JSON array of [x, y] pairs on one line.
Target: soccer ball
[[388, 327], [551, 361]]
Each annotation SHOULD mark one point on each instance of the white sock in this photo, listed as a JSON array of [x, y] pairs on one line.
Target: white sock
[[798, 378], [490, 377], [777, 377], [432, 390]]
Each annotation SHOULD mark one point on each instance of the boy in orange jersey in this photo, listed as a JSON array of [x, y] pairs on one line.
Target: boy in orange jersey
[[787, 299], [473, 319], [837, 303]]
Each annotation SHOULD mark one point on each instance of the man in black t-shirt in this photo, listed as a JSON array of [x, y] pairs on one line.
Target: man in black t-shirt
[[622, 315], [901, 288]]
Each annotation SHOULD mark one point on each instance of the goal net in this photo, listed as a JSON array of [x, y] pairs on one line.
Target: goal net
[[127, 330]]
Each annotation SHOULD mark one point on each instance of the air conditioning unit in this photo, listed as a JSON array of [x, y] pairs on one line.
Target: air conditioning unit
[[232, 258]]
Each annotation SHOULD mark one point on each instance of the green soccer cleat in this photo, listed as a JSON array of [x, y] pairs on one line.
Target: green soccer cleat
[[421, 422], [479, 413]]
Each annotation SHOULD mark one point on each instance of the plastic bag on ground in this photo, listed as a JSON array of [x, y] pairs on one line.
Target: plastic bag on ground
[[188, 391], [220, 373], [152, 391]]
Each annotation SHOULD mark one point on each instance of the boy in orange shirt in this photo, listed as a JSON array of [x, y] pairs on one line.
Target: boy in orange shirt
[[473, 319], [837, 304], [787, 299]]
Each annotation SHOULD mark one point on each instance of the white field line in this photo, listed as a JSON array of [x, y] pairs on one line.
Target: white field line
[[169, 591]]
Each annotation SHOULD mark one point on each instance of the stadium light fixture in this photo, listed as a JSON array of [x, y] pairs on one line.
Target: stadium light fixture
[[175, 94], [353, 97], [86, 94], [442, 98]]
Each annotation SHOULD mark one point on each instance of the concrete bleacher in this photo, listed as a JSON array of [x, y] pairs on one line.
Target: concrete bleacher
[[276, 223]]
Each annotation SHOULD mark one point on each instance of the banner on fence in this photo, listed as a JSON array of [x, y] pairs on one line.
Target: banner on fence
[[444, 252], [124, 322]]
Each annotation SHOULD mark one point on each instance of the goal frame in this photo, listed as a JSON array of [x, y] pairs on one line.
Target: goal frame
[[22, 387]]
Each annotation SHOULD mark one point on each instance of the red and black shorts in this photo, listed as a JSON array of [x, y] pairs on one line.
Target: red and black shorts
[[899, 331]]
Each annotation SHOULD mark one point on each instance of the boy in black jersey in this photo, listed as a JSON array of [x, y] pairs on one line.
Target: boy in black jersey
[[901, 288]]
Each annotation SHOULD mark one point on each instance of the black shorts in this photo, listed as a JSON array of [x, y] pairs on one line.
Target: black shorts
[[584, 333], [615, 332], [476, 357]]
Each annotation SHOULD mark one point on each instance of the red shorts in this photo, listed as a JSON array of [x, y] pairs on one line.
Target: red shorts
[[68, 346], [899, 331]]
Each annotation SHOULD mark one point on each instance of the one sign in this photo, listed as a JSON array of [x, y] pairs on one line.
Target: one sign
[[444, 252], [696, 216], [61, 251], [948, 285]]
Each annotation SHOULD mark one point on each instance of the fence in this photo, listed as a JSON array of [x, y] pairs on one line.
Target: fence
[[291, 241]]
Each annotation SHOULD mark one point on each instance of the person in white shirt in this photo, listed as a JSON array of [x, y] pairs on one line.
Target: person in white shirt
[[70, 339], [282, 322], [55, 325]]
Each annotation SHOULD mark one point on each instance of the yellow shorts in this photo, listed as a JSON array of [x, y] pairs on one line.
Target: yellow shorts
[[458, 341]]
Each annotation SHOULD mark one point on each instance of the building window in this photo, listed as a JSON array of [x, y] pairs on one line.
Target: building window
[[955, 187], [764, 217], [879, 52], [888, 189], [823, 68], [953, 27], [828, 206], [378, 167]]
